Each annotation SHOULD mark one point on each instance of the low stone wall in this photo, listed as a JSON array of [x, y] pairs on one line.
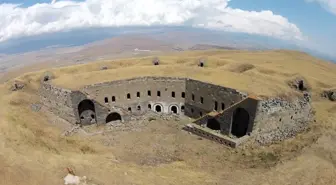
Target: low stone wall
[[208, 135], [278, 119]]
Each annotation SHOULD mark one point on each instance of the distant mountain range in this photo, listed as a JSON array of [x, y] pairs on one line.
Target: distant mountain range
[[81, 46]]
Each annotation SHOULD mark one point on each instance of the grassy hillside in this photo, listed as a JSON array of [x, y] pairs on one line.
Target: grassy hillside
[[32, 150]]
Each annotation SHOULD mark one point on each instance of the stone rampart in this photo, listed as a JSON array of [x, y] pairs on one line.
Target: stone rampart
[[278, 119]]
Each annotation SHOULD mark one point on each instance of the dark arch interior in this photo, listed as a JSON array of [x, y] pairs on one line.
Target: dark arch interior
[[87, 112], [240, 122], [85, 105], [213, 124], [158, 108], [113, 117], [173, 109]]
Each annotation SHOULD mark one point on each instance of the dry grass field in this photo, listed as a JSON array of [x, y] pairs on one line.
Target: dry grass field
[[32, 150]]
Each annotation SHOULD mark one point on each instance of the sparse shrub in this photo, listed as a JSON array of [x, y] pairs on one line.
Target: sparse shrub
[[241, 68], [85, 149], [268, 157], [151, 119]]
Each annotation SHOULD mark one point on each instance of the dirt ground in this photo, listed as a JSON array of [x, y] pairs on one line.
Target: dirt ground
[[33, 149]]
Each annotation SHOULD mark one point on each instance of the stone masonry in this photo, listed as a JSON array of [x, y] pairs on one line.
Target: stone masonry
[[220, 110]]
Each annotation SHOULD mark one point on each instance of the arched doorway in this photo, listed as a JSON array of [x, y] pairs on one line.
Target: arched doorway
[[158, 108], [113, 117], [174, 109], [213, 124], [240, 122], [87, 112]]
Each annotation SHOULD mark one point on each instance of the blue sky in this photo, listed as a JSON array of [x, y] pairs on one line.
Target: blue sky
[[318, 24], [308, 23]]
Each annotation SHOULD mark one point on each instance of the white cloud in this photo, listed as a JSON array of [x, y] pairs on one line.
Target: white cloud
[[17, 21], [329, 5]]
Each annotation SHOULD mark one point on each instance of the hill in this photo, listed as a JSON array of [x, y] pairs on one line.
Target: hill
[[34, 150]]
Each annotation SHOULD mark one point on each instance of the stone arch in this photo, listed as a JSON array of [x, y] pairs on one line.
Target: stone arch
[[87, 112], [240, 122], [174, 109], [213, 124], [158, 108], [114, 116]]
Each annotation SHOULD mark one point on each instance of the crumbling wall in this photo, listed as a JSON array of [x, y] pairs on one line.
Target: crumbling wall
[[201, 98], [278, 119], [58, 101]]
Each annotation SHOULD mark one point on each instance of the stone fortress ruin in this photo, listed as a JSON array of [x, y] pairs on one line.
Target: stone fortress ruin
[[222, 114]]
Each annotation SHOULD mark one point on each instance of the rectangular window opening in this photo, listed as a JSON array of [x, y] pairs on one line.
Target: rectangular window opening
[[183, 94]]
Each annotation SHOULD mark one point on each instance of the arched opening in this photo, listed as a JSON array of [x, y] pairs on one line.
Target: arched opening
[[106, 100], [129, 109], [113, 99], [173, 109], [87, 112], [213, 124], [240, 122], [138, 107], [113, 117], [158, 108], [182, 108], [149, 106]]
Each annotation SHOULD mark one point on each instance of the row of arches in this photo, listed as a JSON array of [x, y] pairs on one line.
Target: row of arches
[[175, 109], [239, 128]]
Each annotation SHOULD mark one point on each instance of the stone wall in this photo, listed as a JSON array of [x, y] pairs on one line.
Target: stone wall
[[269, 120], [58, 101], [278, 119], [202, 98], [138, 95], [225, 118]]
